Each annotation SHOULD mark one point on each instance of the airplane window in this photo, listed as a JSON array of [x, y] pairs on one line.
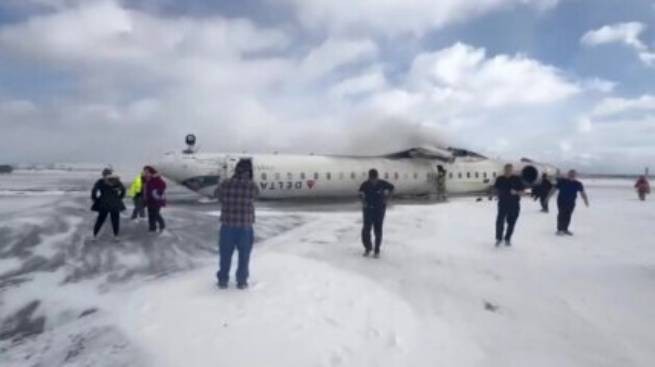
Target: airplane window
[[450, 175], [328, 176], [277, 175], [264, 176], [302, 175], [477, 175], [484, 174], [494, 174], [459, 174], [415, 175], [468, 174], [290, 176], [353, 175], [395, 175], [315, 175]]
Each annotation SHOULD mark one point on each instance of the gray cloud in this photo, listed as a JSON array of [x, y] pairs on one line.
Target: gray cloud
[[142, 81]]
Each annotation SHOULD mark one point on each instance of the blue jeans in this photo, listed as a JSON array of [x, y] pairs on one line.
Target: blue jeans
[[231, 238]]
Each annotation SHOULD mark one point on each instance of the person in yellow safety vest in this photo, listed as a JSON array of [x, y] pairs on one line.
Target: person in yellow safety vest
[[136, 193]]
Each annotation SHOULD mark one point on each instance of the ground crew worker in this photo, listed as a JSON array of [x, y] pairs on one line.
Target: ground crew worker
[[136, 193]]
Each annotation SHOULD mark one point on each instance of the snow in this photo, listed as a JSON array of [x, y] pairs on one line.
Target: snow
[[305, 313], [441, 294], [560, 301]]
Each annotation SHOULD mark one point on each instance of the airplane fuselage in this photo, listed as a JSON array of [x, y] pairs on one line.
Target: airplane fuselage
[[281, 176]]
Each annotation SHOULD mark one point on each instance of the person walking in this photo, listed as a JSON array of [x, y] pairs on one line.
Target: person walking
[[643, 187], [107, 196], [543, 194], [374, 194], [136, 193], [441, 183], [154, 195], [509, 188], [568, 188], [237, 196]]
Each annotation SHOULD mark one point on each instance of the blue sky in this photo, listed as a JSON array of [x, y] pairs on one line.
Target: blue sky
[[564, 81]]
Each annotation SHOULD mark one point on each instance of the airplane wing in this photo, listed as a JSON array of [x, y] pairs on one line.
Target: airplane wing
[[424, 152]]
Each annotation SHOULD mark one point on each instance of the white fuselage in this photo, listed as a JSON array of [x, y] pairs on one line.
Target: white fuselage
[[313, 176]]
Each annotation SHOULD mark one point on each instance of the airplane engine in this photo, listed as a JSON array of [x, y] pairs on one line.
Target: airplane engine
[[530, 174]]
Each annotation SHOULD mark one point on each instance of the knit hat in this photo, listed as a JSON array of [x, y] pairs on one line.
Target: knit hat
[[107, 172]]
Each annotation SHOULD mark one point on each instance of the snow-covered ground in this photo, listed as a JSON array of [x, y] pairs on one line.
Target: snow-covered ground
[[440, 295]]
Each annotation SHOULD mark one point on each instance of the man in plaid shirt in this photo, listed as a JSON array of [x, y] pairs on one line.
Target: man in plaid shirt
[[237, 196]]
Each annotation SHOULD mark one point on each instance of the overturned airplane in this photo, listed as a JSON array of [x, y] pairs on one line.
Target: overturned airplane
[[413, 172]]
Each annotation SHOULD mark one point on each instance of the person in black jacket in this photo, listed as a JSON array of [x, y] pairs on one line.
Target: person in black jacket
[[374, 194], [509, 188], [568, 188], [107, 195], [544, 192]]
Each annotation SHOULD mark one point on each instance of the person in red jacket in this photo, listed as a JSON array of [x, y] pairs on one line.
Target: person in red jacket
[[643, 187], [154, 194]]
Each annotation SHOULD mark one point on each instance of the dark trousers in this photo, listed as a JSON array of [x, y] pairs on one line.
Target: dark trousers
[[373, 218], [139, 207], [507, 212], [544, 203], [154, 219], [102, 216], [231, 238], [564, 216]]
